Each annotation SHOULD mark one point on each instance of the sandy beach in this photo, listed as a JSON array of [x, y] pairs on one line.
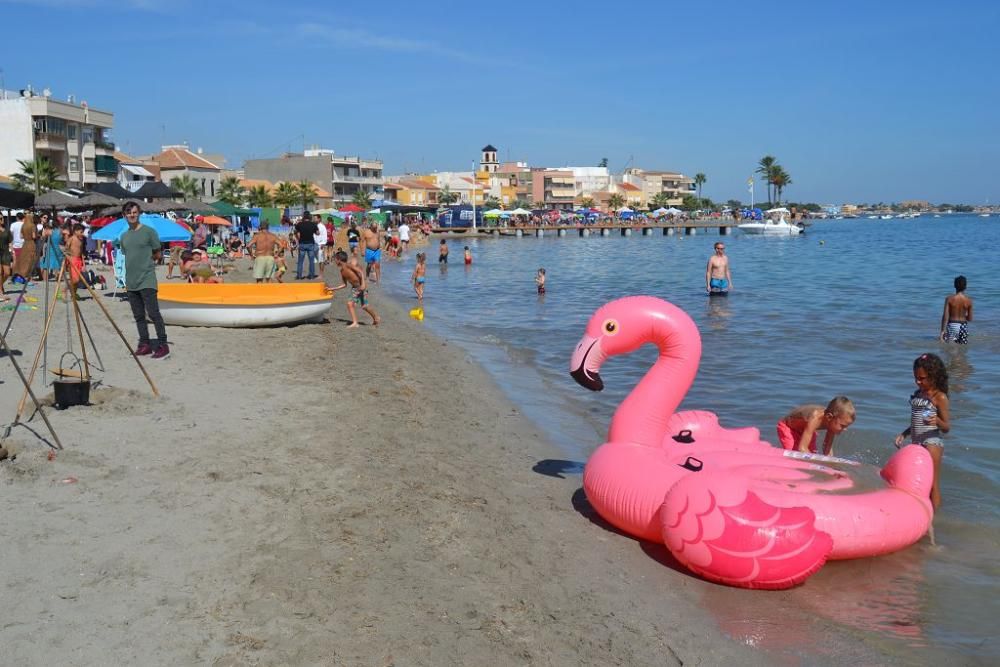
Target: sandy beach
[[314, 495]]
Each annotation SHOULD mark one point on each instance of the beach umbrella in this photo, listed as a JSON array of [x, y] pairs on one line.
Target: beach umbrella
[[493, 213], [15, 199], [214, 220], [97, 223], [352, 208], [168, 230]]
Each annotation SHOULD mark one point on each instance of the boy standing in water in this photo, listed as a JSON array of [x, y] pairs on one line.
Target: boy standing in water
[[359, 289], [797, 430], [443, 252], [540, 281], [957, 315], [717, 275]]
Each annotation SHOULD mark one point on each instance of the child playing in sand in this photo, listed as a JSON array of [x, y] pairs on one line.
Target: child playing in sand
[[797, 430], [468, 256], [355, 277], [957, 315], [419, 276], [540, 281], [929, 413]]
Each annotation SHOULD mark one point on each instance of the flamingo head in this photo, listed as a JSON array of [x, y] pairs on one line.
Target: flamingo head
[[623, 326]]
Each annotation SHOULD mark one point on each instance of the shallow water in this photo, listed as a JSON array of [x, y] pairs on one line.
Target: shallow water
[[843, 309]]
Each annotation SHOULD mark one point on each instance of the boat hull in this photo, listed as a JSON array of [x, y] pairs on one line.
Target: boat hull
[[243, 305], [770, 229]]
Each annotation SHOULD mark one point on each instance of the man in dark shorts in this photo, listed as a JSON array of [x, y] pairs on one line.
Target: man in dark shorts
[[142, 249], [305, 233]]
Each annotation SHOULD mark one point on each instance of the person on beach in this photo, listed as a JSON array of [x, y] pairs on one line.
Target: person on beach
[[957, 314], [305, 234], [797, 430], [373, 253], [717, 275], [420, 276], [468, 256], [17, 240], [6, 257], [354, 277], [353, 238], [331, 234], [142, 249], [176, 250], [443, 252], [540, 281], [262, 248], [74, 255], [26, 256], [929, 413], [52, 253], [404, 237], [320, 239], [279, 264]]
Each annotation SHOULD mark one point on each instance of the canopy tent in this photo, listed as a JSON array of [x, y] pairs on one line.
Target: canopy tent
[[192, 205], [626, 214], [226, 209], [520, 211], [330, 211], [660, 211], [213, 221], [15, 199], [168, 230], [674, 211], [161, 206], [625, 209], [352, 208], [268, 214], [386, 203], [111, 190], [493, 213], [154, 190], [55, 199]]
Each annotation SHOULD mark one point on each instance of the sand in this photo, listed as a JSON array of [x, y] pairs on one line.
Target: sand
[[314, 495]]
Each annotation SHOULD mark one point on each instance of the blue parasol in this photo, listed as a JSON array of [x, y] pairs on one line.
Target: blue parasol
[[166, 229]]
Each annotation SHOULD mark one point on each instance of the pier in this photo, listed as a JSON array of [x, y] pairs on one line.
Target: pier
[[687, 228]]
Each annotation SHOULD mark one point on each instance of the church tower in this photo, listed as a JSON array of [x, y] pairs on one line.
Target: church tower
[[489, 161]]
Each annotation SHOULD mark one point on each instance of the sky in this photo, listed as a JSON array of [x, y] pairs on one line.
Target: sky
[[858, 101]]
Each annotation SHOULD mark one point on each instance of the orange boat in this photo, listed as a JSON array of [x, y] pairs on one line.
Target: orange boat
[[243, 304]]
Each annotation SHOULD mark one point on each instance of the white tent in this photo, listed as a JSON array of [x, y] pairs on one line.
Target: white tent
[[674, 211], [493, 213], [661, 211], [780, 209], [625, 209], [520, 211]]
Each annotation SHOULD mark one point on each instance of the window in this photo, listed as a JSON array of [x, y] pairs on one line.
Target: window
[[74, 163], [88, 134], [213, 188], [71, 131], [88, 164], [203, 186]]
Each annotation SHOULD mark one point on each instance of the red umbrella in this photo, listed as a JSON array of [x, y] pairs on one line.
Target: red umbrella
[[97, 223], [352, 208]]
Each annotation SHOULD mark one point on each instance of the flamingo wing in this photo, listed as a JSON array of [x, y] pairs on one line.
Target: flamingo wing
[[724, 532]]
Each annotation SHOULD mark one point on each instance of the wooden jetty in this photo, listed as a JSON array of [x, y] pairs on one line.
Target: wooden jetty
[[687, 228]]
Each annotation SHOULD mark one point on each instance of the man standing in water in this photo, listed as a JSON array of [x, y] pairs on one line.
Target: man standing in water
[[141, 246], [373, 253], [717, 276]]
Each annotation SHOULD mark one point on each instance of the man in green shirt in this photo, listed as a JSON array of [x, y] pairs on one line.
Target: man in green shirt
[[141, 246]]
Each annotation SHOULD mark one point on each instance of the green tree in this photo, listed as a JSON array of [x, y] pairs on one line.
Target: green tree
[[38, 176], [780, 180], [446, 196], [186, 186], [492, 202], [521, 203], [306, 192], [766, 170], [660, 200], [361, 200], [286, 194], [616, 201], [699, 180], [538, 204], [691, 203], [603, 163], [258, 195], [587, 202], [232, 191], [734, 203]]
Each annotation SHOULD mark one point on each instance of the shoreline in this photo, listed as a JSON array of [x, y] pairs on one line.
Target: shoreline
[[348, 497]]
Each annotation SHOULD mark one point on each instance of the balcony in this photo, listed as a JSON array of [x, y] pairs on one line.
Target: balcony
[[50, 141], [104, 147], [365, 180]]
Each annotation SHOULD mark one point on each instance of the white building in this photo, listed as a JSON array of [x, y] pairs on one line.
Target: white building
[[74, 137]]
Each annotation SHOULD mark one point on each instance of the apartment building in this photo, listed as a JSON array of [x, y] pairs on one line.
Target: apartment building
[[178, 160], [652, 183], [75, 138], [343, 176], [413, 191], [554, 188]]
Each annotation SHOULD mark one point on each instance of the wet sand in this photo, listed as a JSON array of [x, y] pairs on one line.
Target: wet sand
[[316, 495]]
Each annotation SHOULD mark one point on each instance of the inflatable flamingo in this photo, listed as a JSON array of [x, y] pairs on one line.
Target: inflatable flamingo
[[729, 506]]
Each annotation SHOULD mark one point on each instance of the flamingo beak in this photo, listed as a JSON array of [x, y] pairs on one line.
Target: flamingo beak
[[586, 362]]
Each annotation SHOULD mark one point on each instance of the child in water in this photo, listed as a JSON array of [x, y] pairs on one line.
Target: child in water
[[419, 276], [540, 281], [443, 252], [929, 413], [797, 430], [957, 315], [468, 256]]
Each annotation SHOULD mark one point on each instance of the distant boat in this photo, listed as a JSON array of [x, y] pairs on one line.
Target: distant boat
[[769, 227], [873, 217], [984, 215], [936, 215], [885, 217]]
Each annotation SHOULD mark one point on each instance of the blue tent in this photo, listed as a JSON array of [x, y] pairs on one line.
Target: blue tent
[[168, 230]]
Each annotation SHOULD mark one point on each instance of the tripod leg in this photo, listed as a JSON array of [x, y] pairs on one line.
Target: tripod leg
[[41, 345], [27, 388]]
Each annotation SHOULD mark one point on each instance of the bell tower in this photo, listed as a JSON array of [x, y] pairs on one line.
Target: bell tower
[[489, 162]]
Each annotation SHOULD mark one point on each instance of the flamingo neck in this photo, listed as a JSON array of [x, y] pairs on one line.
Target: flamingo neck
[[642, 417]]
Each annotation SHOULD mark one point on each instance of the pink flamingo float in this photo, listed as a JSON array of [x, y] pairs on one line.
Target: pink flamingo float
[[729, 506]]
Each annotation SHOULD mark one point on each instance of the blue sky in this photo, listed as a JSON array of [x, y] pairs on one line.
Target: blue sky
[[859, 101]]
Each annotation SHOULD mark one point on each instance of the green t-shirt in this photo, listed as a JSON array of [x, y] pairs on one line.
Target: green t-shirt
[[138, 246]]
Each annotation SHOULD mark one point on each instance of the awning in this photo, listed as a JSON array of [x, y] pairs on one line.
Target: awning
[[137, 170]]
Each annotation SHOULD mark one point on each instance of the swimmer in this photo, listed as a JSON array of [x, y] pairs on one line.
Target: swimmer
[[419, 276], [468, 256], [443, 252], [717, 275], [797, 430], [957, 315], [540, 281]]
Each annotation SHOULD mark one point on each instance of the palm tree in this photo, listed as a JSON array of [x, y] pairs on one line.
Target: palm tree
[[781, 180], [615, 202], [446, 196], [259, 195], [306, 192], [286, 194], [36, 176], [766, 170], [232, 191], [538, 204], [186, 186], [660, 200], [587, 202], [699, 180], [521, 203], [361, 200], [492, 202]]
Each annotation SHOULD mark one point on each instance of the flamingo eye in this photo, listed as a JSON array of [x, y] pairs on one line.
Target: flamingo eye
[[610, 327]]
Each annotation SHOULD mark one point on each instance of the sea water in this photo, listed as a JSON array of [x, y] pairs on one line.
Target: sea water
[[842, 309]]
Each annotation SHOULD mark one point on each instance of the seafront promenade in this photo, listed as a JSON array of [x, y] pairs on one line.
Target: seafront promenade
[[687, 227]]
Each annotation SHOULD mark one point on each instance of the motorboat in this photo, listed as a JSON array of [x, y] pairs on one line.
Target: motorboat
[[771, 227], [243, 304]]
